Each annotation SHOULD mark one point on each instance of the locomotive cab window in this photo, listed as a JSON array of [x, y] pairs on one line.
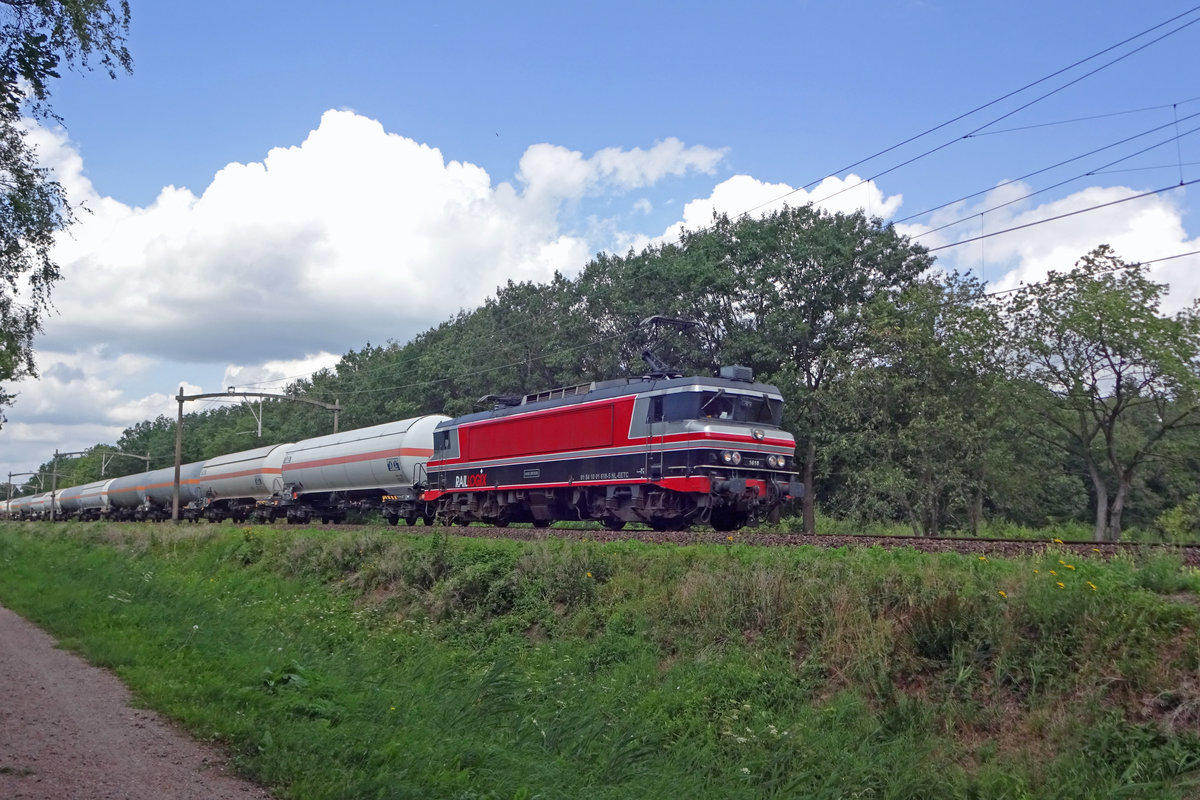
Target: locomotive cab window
[[717, 404]]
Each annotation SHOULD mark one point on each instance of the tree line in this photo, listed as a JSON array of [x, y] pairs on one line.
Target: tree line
[[915, 394]]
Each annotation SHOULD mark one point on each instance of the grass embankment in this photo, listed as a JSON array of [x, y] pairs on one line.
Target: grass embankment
[[386, 665]]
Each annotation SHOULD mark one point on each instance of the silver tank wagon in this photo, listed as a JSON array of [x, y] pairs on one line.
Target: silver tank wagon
[[369, 469], [70, 502], [148, 495], [230, 486], [93, 499]]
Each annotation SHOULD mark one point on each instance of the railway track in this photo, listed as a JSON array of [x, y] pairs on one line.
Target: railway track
[[964, 545]]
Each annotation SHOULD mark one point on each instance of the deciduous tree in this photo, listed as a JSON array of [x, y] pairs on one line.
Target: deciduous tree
[[36, 38], [1120, 377]]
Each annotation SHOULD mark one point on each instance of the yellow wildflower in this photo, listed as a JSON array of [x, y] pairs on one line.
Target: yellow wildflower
[[1002, 593], [983, 558], [1060, 585], [1052, 572], [1070, 566], [589, 574], [1092, 585], [1056, 540]]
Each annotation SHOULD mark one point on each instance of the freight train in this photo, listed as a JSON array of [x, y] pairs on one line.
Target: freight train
[[660, 450]]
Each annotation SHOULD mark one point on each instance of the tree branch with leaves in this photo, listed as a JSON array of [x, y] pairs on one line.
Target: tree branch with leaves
[[37, 37]]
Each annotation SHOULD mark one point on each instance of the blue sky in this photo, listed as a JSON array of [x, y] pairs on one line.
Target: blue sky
[[432, 151]]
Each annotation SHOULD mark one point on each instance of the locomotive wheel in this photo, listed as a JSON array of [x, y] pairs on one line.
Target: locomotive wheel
[[612, 523], [726, 519], [541, 523], [427, 519]]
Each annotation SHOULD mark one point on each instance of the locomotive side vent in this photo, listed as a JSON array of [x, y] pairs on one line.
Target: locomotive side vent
[[737, 373]]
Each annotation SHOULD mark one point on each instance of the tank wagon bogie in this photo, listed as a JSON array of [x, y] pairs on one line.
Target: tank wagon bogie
[[666, 452]]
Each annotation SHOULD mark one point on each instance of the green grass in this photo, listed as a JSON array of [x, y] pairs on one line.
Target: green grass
[[391, 665]]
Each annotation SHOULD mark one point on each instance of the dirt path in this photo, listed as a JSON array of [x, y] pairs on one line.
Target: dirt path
[[67, 732]]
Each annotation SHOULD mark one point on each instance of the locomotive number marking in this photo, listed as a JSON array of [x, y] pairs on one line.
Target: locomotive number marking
[[604, 476], [478, 481]]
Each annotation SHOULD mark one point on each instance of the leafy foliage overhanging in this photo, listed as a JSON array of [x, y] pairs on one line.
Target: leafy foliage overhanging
[[37, 37]]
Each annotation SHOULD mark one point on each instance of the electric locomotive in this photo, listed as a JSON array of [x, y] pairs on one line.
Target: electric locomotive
[[661, 450]]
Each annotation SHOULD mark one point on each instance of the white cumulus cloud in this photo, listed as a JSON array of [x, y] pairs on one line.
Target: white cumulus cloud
[[354, 234], [1141, 230]]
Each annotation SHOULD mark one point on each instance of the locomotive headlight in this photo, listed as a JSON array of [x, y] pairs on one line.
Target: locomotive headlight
[[772, 462], [737, 457], [727, 457]]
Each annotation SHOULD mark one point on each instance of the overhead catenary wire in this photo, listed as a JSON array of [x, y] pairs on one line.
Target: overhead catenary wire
[[1089, 118], [1063, 216], [1004, 116], [1064, 162], [1043, 190]]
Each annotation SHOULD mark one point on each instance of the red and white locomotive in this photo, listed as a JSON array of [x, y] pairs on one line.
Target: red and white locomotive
[[665, 451]]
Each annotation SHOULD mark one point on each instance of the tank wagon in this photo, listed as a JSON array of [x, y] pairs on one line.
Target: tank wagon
[[380, 468], [16, 507], [147, 496], [28, 507], [232, 486], [94, 502], [86, 502], [70, 502], [38, 506], [665, 451]]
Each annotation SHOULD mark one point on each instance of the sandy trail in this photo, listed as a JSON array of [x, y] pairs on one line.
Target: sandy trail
[[67, 732]]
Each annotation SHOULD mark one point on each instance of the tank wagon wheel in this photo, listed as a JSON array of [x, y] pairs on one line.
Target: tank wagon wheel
[[411, 520], [392, 519], [541, 523], [613, 523]]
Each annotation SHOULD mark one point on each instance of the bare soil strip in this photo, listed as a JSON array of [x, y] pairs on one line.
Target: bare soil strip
[[67, 731]]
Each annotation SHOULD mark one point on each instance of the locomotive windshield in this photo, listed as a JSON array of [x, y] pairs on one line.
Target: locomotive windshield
[[717, 404]]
